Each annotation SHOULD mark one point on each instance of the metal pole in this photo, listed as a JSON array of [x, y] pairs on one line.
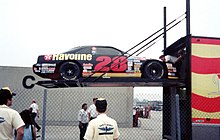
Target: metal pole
[[178, 118], [166, 93], [173, 113], [187, 126], [165, 30], [44, 115], [187, 17]]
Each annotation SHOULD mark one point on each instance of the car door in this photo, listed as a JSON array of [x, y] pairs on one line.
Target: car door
[[109, 60]]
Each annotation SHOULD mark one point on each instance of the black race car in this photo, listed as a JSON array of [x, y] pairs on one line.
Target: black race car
[[95, 61]]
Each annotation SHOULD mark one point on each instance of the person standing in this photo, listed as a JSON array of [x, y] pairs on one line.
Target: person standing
[[148, 111], [34, 113], [102, 127], [9, 118], [92, 110], [83, 119], [29, 129], [134, 116]]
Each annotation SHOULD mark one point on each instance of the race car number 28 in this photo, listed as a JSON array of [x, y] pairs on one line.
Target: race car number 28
[[106, 63]]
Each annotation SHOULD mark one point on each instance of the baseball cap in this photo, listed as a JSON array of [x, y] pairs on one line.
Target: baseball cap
[[7, 90]]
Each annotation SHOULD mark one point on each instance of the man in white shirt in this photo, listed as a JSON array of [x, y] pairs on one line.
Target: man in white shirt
[[9, 118], [34, 113], [92, 110], [102, 127], [83, 119], [173, 59], [168, 58]]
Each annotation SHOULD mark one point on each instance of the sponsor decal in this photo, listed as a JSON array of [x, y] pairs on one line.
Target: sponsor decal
[[130, 59], [87, 66], [48, 65], [137, 70], [137, 67], [72, 57], [130, 63], [36, 70], [44, 68], [129, 70], [136, 60], [86, 73], [47, 70], [48, 57], [142, 58]]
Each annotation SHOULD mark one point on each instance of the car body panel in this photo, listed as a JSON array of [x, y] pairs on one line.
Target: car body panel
[[94, 61]]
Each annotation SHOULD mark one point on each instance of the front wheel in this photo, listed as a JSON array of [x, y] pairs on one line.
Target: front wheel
[[69, 71], [154, 70]]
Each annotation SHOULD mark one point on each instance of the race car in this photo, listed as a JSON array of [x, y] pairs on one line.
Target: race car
[[98, 61]]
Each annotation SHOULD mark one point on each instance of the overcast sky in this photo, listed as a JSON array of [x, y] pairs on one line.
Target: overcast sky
[[30, 28]]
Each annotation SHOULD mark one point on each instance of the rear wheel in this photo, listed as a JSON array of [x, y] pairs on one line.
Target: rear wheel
[[154, 70], [69, 71]]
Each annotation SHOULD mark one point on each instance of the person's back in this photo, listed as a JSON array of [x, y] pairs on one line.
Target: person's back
[[28, 133], [29, 129], [8, 121], [102, 127], [9, 118], [34, 107], [34, 113], [105, 128]]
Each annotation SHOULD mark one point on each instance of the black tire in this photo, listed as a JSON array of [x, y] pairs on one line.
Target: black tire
[[69, 71], [154, 70]]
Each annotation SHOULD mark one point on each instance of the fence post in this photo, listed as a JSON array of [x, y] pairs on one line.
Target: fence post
[[178, 118], [44, 114], [173, 113]]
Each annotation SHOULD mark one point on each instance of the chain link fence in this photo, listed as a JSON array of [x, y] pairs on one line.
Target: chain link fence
[[59, 111]]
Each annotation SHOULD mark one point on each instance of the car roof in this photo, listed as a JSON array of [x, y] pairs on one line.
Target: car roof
[[75, 49]]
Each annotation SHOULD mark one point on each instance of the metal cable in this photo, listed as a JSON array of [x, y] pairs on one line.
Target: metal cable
[[138, 45]]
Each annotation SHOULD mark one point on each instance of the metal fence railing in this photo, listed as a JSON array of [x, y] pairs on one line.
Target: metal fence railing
[[59, 110]]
